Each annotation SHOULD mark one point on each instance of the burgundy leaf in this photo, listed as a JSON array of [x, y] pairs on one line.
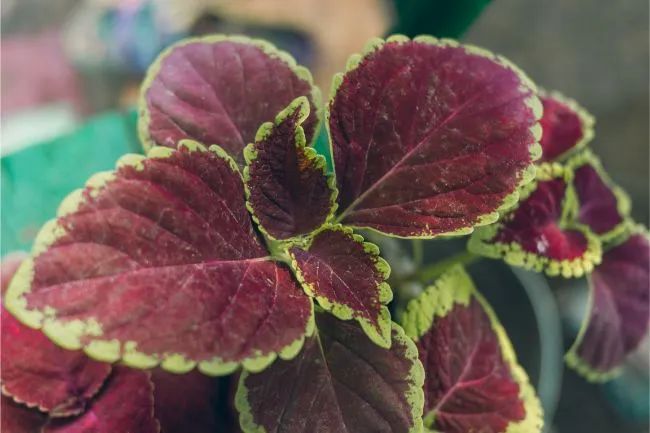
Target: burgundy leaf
[[288, 189], [40, 374], [538, 234], [219, 90], [348, 278], [602, 205], [566, 126], [159, 262], [618, 314], [125, 405], [340, 382], [430, 137], [472, 380], [17, 418]]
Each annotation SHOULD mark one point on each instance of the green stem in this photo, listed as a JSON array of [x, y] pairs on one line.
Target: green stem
[[417, 251], [434, 270]]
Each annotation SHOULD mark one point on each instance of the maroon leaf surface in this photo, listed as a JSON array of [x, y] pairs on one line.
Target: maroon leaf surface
[[159, 262], [17, 418], [472, 380], [40, 374], [288, 189], [602, 205], [566, 126], [618, 314], [340, 382], [348, 278], [539, 234], [126, 405], [219, 90], [430, 137]]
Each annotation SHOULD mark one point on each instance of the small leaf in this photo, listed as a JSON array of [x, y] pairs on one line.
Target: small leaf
[[40, 374], [17, 418], [566, 126], [430, 137], [539, 234], [348, 278], [340, 382], [288, 189], [158, 262], [618, 313], [602, 205], [125, 405], [472, 379], [219, 90]]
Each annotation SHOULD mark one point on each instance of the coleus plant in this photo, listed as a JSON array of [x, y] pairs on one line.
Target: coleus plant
[[230, 249]]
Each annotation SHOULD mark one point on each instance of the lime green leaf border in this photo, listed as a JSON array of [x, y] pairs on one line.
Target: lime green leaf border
[[455, 287], [533, 102]]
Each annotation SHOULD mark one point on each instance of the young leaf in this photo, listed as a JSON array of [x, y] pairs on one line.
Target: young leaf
[[539, 234], [602, 205], [340, 382], [219, 90], [566, 126], [288, 190], [348, 278], [17, 418], [158, 262], [126, 405], [618, 313], [430, 137], [40, 374], [472, 379]]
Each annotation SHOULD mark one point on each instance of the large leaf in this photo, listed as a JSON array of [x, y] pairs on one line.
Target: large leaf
[[126, 405], [17, 418], [348, 278], [219, 90], [288, 189], [602, 205], [617, 318], [340, 382], [566, 126], [430, 137], [40, 374], [472, 379], [540, 233], [158, 262]]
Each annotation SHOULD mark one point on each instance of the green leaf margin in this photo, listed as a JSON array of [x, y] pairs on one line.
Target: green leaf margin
[[455, 287], [533, 102]]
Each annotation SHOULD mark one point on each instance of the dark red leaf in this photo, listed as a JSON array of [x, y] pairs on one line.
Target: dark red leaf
[[602, 205], [472, 379], [17, 418], [618, 314], [125, 405], [348, 278], [340, 382], [539, 234], [566, 126], [159, 262], [219, 90], [431, 137], [288, 189]]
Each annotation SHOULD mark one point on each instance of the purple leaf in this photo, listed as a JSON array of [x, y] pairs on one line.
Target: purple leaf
[[430, 137], [617, 320], [348, 278], [340, 382], [40, 374], [539, 234], [566, 126], [602, 205], [288, 190], [472, 379], [125, 405], [17, 418], [158, 262], [219, 90]]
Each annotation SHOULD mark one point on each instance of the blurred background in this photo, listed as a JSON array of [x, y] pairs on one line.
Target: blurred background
[[70, 71]]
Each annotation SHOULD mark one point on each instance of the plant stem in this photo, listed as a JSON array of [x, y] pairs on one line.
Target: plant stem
[[418, 251], [434, 270]]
